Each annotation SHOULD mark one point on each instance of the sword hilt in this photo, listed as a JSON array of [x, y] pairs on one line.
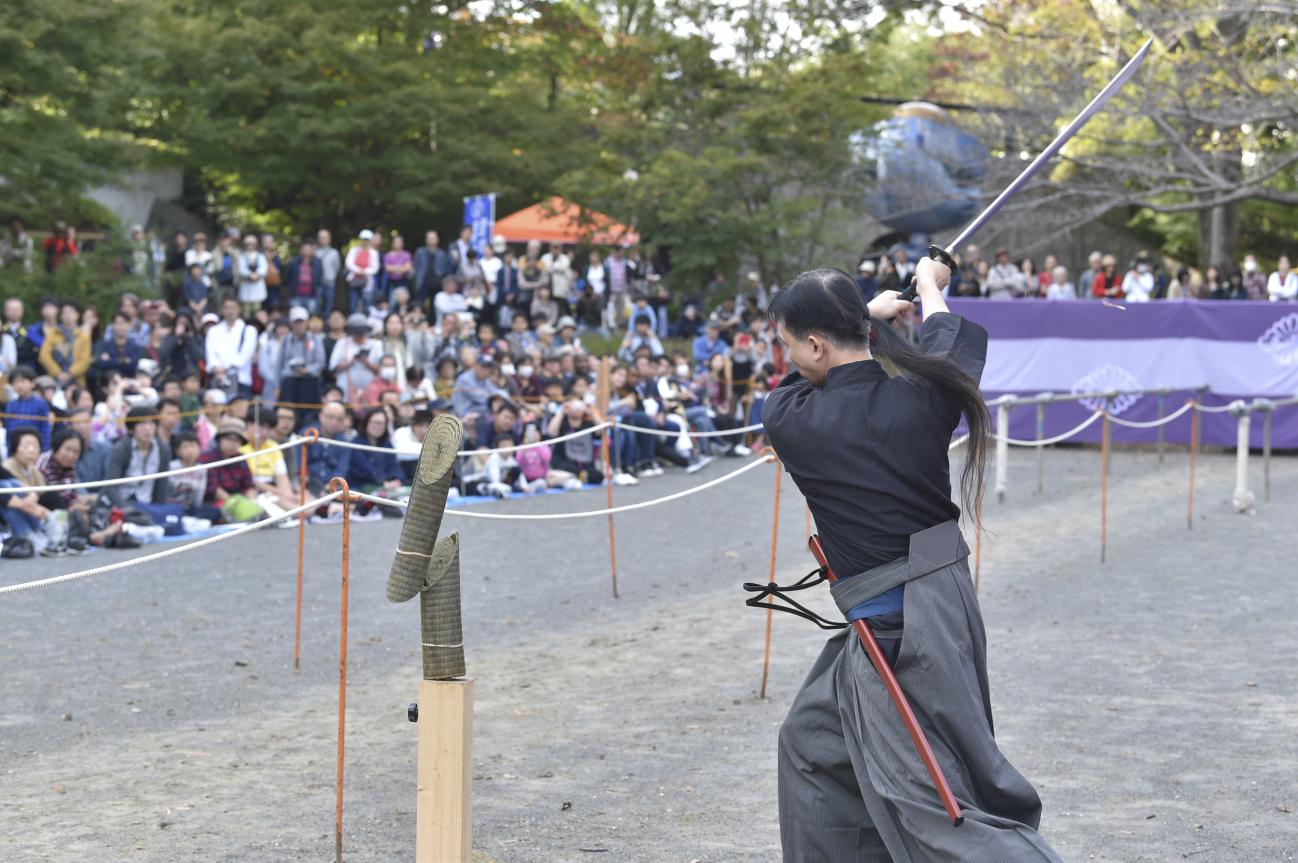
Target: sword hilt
[[938, 254]]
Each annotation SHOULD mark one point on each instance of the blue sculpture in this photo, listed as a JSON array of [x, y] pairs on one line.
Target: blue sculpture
[[925, 172]]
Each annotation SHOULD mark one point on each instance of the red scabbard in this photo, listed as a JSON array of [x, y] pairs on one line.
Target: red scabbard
[[890, 683]]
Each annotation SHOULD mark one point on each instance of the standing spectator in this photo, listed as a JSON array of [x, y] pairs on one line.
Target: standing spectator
[[182, 350], [1004, 280], [619, 273], [27, 339], [460, 249], [138, 453], [902, 265], [1234, 288], [394, 344], [887, 276], [590, 311], [1046, 277], [531, 275], [1031, 283], [201, 255], [1283, 283], [544, 306], [16, 247], [727, 318], [866, 281], [491, 263], [1139, 282], [27, 409], [398, 265], [1107, 284], [301, 363], [274, 274], [194, 290], [117, 353], [360, 268], [1094, 262], [1060, 288], [473, 387], [252, 276], [1255, 280], [1213, 286], [231, 346], [59, 246], [224, 268], [355, 359], [67, 353], [1181, 288], [431, 266], [330, 266], [558, 265], [304, 279], [269, 346]]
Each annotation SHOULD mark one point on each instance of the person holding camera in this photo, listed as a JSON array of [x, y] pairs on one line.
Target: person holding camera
[[301, 363], [252, 276], [355, 359]]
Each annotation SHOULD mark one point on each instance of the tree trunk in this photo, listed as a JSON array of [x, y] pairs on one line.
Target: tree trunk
[[1219, 227]]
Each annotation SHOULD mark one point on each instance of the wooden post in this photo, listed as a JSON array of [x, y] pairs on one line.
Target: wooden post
[[1002, 461], [1104, 484], [444, 795], [1041, 451]]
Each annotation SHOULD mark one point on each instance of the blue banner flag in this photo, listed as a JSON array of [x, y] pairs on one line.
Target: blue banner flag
[[480, 214]]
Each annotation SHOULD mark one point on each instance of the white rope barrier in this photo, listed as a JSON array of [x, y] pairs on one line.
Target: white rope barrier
[[594, 513], [170, 552], [963, 439], [1134, 424], [1000, 433], [128, 480], [1238, 404], [363, 447], [677, 433]]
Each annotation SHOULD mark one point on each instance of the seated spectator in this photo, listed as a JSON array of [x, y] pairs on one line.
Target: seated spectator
[[501, 418], [326, 462], [269, 469], [27, 410], [575, 456], [709, 345], [28, 519], [58, 466], [189, 489], [230, 486], [213, 411], [371, 471], [385, 382], [408, 442], [66, 351], [473, 387], [93, 460], [138, 453], [534, 463], [690, 324], [640, 334], [117, 352]]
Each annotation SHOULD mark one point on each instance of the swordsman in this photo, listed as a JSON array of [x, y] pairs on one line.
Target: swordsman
[[868, 450]]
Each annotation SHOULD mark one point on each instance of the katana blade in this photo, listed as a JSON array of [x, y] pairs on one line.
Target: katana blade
[[1124, 75]]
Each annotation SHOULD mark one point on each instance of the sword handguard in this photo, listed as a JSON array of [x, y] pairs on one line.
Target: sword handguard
[[938, 254]]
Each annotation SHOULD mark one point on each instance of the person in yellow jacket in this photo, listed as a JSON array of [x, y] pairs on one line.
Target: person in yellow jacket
[[66, 353]]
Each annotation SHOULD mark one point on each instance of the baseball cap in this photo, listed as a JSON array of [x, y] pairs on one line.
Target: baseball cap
[[366, 234], [298, 313]]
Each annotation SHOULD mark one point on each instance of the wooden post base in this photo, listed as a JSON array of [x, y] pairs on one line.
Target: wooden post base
[[444, 805]]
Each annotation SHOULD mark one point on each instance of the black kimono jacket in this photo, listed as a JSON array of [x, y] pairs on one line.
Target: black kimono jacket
[[869, 452]]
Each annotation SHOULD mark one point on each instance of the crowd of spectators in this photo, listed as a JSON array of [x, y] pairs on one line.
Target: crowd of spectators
[[1141, 279], [238, 348]]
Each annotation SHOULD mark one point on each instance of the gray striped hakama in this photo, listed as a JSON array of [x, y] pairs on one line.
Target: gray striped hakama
[[851, 785]]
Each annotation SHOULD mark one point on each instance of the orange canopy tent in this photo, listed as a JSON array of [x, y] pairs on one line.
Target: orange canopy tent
[[558, 221]]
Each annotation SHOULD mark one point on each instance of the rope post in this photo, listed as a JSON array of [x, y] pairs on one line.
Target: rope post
[[1268, 410], [309, 438], [1003, 447], [775, 537], [1042, 401], [602, 386], [1194, 455], [1243, 498], [1104, 483], [1162, 394], [340, 484]]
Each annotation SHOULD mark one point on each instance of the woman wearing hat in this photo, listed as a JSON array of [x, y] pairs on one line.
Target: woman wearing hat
[[230, 486]]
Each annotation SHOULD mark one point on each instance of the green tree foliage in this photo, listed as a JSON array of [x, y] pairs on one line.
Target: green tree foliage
[[64, 95]]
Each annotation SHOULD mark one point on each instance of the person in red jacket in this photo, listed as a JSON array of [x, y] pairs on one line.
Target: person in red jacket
[[1108, 282]]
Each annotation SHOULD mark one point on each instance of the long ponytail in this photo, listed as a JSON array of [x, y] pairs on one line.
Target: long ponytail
[[827, 301]]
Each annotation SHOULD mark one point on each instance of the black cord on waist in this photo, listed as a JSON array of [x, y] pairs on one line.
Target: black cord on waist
[[780, 592]]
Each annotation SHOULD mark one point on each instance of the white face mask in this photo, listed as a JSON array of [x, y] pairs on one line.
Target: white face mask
[[507, 368], [526, 371], [682, 371], [388, 374]]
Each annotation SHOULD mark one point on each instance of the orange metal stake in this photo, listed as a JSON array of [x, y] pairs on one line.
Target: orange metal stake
[[309, 438], [335, 484], [775, 537], [1194, 454], [608, 488]]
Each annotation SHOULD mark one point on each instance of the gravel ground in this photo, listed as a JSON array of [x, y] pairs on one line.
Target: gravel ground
[[155, 715]]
